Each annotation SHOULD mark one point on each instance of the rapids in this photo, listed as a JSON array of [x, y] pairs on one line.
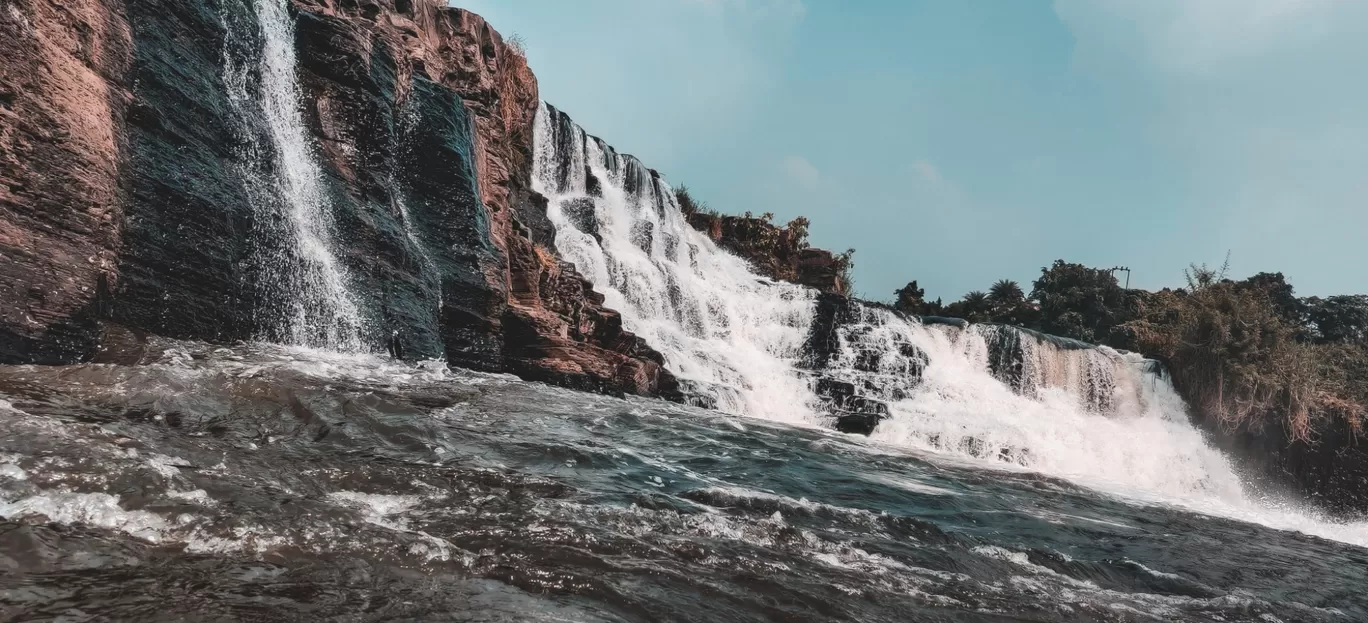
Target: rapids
[[270, 483], [1011, 475]]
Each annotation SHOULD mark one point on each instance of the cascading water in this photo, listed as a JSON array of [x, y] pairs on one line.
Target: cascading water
[[999, 393], [733, 335], [303, 287], [986, 393]]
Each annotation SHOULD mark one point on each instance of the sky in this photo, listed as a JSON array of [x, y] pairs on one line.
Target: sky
[[958, 143]]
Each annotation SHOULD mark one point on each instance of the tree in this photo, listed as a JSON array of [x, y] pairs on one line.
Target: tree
[[1338, 319], [688, 205], [845, 271], [910, 299], [974, 307], [1009, 304], [1280, 294], [1006, 292], [798, 228], [1081, 302]]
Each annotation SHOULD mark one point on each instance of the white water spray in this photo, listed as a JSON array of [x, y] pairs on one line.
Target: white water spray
[[734, 335], [1011, 398], [303, 274], [1092, 415]]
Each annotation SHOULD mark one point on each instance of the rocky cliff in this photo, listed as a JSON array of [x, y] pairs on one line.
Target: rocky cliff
[[778, 252], [155, 182], [63, 94]]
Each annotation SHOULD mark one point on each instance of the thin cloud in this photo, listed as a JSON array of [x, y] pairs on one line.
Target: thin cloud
[[927, 171], [799, 171]]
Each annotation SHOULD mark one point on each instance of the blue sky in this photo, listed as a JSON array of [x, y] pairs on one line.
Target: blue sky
[[957, 143]]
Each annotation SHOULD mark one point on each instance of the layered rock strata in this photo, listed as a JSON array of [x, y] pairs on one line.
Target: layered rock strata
[[136, 151]]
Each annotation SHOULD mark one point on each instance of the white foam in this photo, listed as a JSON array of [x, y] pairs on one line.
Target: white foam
[[12, 472], [378, 509], [196, 496], [717, 323], [96, 509]]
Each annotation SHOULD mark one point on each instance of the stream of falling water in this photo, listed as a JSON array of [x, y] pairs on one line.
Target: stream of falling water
[[731, 335], [1095, 416], [304, 287]]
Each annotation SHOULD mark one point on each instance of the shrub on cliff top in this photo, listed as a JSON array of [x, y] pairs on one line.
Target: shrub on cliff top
[[1236, 357], [688, 205], [845, 267], [517, 44]]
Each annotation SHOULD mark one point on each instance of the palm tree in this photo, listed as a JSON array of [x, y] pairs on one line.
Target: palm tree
[[977, 306], [1009, 303], [1006, 293]]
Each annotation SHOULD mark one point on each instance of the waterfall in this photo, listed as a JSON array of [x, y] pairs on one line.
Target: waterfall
[[985, 393], [727, 333], [303, 287]]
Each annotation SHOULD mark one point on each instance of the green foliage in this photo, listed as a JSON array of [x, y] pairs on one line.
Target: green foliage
[[1338, 319], [1006, 292], [1244, 353], [845, 266], [1236, 357], [910, 299], [974, 307], [1008, 304], [798, 229], [1280, 294], [1081, 302], [688, 205]]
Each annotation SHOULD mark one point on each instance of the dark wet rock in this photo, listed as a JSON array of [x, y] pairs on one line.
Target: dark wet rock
[[860, 423], [580, 211], [854, 413], [127, 208], [702, 394], [643, 236], [832, 312]]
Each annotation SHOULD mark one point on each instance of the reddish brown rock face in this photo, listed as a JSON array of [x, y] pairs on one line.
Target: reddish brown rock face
[[60, 196], [551, 324], [773, 251], [122, 191]]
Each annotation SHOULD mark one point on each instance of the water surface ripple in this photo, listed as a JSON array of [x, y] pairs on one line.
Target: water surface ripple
[[273, 484]]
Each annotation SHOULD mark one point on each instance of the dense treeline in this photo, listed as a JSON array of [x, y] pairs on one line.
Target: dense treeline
[[1246, 354]]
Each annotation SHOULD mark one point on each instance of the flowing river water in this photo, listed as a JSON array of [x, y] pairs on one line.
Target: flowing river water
[[270, 483], [1015, 477]]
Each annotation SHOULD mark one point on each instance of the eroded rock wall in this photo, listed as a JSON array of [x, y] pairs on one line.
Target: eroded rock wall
[[778, 252], [131, 203], [63, 93]]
